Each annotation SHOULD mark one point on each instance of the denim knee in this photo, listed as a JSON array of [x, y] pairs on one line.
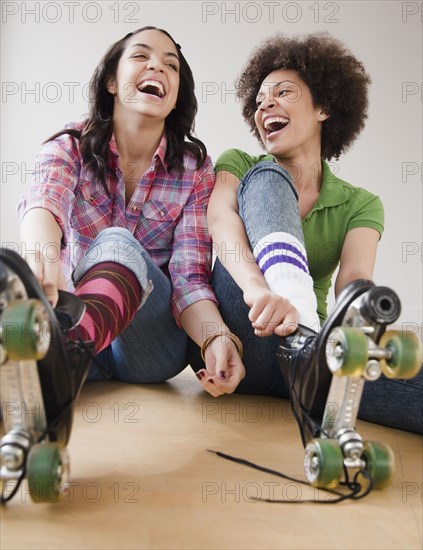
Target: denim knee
[[268, 203], [116, 244], [266, 170]]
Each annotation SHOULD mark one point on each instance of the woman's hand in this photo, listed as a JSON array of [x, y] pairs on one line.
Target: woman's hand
[[270, 313], [224, 368], [48, 273], [42, 236]]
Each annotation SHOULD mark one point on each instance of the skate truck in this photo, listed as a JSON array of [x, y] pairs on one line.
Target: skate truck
[[41, 373], [327, 372]]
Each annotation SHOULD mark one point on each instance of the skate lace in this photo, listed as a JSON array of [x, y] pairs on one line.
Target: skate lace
[[84, 349], [87, 349], [4, 498], [295, 400], [356, 490]]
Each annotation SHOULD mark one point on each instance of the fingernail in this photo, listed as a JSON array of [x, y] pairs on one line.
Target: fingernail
[[210, 380], [197, 374], [201, 374], [222, 375]]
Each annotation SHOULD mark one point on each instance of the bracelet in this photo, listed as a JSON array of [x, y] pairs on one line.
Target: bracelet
[[230, 335]]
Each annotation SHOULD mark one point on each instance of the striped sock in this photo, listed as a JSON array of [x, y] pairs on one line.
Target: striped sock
[[282, 259], [112, 294]]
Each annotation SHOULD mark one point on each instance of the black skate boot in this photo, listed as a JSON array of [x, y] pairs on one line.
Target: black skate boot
[[41, 374], [326, 373]]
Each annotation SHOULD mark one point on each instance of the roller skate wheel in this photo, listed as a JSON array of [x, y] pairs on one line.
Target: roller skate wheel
[[323, 463], [382, 305], [406, 354], [47, 472], [347, 351], [25, 330], [380, 463]]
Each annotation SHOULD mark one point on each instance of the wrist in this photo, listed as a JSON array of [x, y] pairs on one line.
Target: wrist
[[254, 282], [226, 334]]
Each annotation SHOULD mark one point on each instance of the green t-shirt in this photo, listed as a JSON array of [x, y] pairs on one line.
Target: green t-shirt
[[339, 208]]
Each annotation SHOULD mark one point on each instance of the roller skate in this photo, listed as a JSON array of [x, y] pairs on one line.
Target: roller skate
[[326, 373], [41, 373]]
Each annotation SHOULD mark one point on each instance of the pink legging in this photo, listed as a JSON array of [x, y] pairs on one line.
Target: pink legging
[[112, 295]]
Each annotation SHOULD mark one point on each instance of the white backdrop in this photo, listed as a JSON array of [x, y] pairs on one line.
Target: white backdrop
[[49, 50]]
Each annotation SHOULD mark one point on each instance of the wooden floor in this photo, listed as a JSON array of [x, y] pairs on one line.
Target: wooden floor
[[141, 478]]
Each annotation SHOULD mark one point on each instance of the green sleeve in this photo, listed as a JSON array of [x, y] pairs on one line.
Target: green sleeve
[[369, 213], [237, 162]]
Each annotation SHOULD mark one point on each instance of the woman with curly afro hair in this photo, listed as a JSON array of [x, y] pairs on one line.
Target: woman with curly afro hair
[[282, 223]]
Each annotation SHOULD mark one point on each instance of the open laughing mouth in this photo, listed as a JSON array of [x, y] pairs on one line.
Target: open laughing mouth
[[274, 124], [152, 87]]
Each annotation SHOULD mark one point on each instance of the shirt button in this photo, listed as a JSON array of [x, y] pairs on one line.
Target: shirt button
[[134, 207], [161, 214]]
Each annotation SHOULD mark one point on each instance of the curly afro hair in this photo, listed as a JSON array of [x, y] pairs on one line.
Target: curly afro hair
[[337, 81]]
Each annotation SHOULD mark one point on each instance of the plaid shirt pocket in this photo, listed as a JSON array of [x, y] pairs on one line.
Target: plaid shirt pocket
[[162, 211]]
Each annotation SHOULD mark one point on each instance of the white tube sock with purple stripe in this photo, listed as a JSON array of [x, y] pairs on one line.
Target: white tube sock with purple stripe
[[283, 261]]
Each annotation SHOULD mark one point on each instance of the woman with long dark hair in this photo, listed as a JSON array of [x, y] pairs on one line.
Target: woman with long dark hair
[[130, 185]]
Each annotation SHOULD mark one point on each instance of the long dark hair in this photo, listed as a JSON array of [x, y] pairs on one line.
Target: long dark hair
[[97, 132]]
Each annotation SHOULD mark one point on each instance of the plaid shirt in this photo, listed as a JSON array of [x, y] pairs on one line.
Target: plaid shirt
[[166, 213]]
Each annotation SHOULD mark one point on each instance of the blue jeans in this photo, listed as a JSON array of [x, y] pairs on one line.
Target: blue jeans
[[152, 348], [267, 203]]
